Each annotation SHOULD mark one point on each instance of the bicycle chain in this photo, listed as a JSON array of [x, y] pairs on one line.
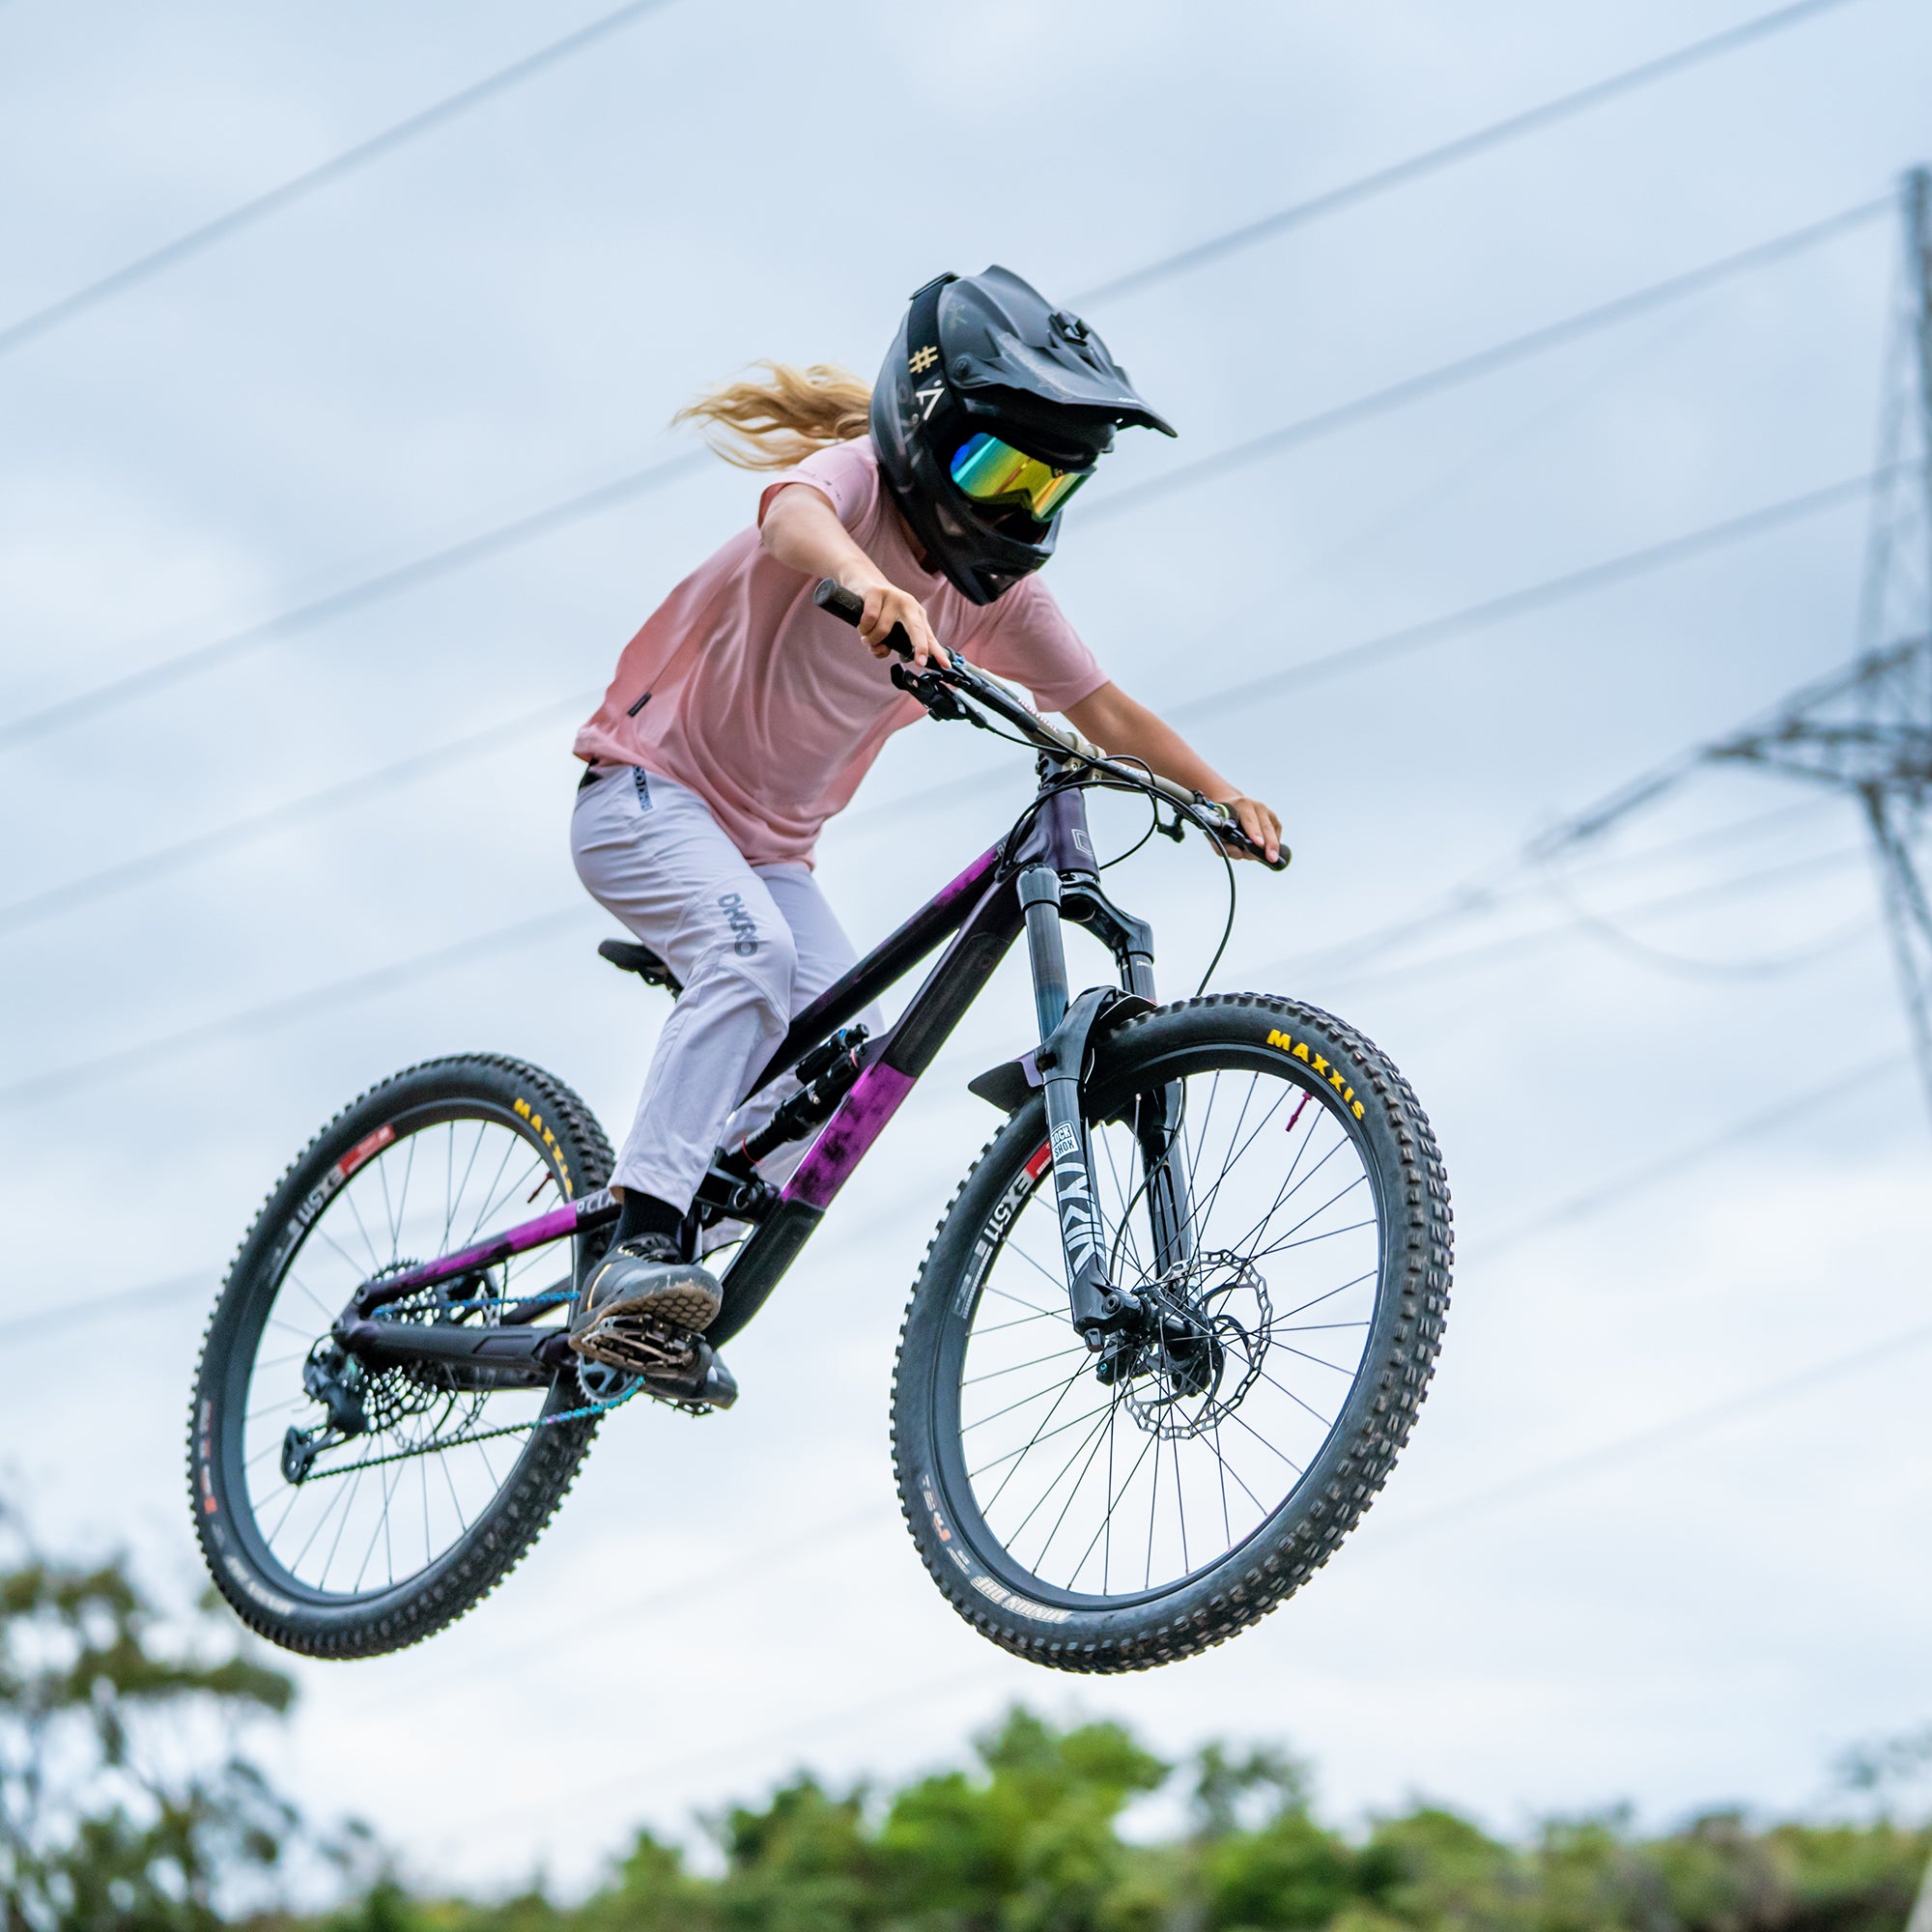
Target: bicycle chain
[[436, 1448]]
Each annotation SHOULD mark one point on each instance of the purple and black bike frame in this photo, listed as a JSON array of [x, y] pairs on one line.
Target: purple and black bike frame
[[1041, 874]]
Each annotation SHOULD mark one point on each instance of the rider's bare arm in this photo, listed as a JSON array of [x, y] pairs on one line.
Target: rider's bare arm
[[1128, 728], [803, 530]]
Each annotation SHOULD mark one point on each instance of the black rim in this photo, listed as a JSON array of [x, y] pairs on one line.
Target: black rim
[[375, 1513], [1091, 1497]]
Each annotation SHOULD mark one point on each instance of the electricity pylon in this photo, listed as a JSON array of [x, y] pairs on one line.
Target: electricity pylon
[[1866, 730]]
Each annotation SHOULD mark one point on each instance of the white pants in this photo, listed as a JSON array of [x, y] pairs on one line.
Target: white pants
[[753, 946]]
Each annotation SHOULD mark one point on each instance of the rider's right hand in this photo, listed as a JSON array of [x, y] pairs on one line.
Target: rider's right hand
[[886, 605]]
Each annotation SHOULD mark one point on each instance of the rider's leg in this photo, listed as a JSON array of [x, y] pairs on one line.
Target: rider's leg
[[651, 851], [824, 954]]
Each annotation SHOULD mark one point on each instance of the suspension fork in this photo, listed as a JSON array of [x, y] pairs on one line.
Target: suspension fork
[[1098, 1303], [1156, 1122], [1094, 1303], [1156, 1117]]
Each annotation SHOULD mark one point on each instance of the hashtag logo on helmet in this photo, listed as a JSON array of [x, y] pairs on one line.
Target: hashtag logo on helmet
[[923, 359]]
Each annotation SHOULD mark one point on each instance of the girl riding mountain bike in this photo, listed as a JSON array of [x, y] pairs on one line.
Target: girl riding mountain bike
[[1178, 1320], [743, 716]]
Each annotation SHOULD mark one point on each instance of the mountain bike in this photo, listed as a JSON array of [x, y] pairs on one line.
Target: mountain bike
[[1163, 1350]]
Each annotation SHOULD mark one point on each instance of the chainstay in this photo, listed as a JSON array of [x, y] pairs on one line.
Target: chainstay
[[486, 1434]]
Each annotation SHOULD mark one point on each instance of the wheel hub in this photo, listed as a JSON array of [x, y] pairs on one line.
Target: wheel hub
[[1201, 1322]]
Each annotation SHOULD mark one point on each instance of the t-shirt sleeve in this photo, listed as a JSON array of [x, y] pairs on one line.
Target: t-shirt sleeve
[[1029, 640], [844, 473]]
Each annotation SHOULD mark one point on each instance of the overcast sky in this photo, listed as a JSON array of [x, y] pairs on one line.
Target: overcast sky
[[503, 316]]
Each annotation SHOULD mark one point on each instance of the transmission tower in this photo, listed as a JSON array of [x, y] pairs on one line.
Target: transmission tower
[[1866, 730]]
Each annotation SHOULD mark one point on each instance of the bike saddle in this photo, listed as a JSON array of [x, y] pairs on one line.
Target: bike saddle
[[629, 957]]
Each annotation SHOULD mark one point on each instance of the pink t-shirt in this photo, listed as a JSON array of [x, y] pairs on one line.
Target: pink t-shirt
[[771, 710]]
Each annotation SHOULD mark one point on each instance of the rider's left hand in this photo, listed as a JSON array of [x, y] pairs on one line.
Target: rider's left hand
[[1260, 822]]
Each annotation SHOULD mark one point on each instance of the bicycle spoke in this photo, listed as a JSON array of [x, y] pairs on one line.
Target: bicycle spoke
[[1091, 1445], [1074, 1423], [1020, 1322], [1051, 1487], [1021, 1404], [348, 1198], [1314, 1302], [993, 1375], [1326, 1421]]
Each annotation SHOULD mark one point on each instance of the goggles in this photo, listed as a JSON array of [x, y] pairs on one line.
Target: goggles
[[994, 472]]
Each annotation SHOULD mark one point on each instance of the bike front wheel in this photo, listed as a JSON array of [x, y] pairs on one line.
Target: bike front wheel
[[1112, 1511]]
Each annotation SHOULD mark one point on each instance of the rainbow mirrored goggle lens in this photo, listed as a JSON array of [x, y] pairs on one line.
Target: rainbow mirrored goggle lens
[[995, 472]]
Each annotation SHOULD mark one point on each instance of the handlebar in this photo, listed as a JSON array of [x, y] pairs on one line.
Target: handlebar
[[1058, 741]]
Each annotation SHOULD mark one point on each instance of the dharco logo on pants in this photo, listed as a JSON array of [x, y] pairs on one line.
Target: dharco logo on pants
[[744, 929]]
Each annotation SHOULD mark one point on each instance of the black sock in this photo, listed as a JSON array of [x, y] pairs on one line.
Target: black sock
[[646, 1214]]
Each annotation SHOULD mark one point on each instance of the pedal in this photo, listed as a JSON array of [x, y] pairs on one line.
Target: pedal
[[640, 1346], [708, 1384], [676, 1365]]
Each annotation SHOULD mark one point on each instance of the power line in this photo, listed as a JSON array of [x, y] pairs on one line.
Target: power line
[[297, 187], [70, 1314], [1578, 1207], [385, 978], [1645, 1441], [1551, 1475], [87, 705], [1510, 878], [176, 857], [1842, 1086], [298, 1005], [1551, 590], [1484, 361], [1494, 610], [1538, 596], [1465, 147], [1438, 964], [918, 1695]]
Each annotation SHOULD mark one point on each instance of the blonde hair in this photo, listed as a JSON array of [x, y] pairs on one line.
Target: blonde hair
[[774, 423]]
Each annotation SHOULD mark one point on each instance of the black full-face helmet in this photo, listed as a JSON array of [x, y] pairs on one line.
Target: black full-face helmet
[[992, 409]]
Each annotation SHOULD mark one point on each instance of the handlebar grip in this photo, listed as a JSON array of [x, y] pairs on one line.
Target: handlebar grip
[[1230, 833], [832, 598]]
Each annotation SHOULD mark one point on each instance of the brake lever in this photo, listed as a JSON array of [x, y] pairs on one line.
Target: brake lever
[[932, 690], [1220, 823]]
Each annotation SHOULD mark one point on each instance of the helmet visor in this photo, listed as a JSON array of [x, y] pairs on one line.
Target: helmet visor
[[995, 474]]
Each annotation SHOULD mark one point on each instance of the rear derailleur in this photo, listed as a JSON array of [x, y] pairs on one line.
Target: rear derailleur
[[336, 1379]]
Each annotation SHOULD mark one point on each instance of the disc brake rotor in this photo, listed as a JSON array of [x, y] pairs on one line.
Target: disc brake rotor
[[1209, 1325]]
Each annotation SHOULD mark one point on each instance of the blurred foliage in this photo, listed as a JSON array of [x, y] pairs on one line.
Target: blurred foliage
[[1029, 1839], [127, 1804], [125, 1799]]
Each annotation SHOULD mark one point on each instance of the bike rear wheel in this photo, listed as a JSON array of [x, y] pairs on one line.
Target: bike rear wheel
[[1112, 1513], [388, 1534]]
